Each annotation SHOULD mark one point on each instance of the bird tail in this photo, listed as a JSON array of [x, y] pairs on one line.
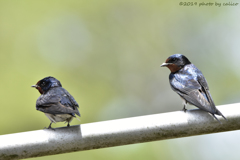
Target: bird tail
[[220, 114], [77, 118], [216, 118]]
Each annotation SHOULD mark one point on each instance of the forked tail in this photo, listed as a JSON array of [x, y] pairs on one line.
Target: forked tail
[[220, 114], [216, 118]]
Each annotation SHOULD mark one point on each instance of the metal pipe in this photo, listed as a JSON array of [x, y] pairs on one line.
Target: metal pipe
[[117, 132]]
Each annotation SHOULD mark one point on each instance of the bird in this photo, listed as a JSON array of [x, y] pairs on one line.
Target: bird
[[56, 102], [190, 84]]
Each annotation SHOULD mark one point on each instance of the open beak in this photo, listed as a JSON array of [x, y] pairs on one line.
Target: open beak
[[35, 86], [165, 64]]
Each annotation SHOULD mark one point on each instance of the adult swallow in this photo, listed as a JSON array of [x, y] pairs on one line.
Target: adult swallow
[[190, 84], [55, 101]]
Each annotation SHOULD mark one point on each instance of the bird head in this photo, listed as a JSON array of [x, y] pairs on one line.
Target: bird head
[[46, 83], [176, 62]]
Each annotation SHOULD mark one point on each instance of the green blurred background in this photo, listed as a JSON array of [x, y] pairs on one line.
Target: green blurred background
[[107, 54]]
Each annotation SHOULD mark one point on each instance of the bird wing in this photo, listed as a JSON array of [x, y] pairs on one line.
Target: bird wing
[[70, 101], [192, 91], [56, 103], [203, 82]]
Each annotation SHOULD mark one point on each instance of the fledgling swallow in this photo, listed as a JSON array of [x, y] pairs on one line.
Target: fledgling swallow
[[190, 84], [55, 101]]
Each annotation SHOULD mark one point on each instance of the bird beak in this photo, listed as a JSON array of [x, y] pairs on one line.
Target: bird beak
[[35, 86], [165, 64]]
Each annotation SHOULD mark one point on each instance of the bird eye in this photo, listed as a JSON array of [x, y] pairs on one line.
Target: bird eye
[[43, 83], [174, 59]]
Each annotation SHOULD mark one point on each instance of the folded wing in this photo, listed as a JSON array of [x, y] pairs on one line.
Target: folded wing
[[194, 90], [57, 103]]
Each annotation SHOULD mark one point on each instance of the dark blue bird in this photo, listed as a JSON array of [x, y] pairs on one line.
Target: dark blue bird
[[57, 104], [189, 83]]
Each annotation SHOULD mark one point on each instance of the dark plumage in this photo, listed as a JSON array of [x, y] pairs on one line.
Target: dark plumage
[[189, 83], [56, 102]]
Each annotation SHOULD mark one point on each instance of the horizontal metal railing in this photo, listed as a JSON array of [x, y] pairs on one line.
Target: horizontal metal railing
[[117, 132]]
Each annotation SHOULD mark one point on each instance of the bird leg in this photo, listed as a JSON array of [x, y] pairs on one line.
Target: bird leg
[[184, 109], [49, 127], [184, 106], [68, 125]]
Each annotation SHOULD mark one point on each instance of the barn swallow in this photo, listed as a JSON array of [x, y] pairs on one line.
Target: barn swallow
[[57, 104], [190, 84]]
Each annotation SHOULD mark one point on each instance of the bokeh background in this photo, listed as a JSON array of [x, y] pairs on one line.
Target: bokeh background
[[107, 54]]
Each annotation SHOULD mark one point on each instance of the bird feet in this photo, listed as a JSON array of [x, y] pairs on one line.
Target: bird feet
[[184, 109], [49, 127]]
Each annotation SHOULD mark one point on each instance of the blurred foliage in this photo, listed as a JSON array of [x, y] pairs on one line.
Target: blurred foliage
[[107, 55]]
